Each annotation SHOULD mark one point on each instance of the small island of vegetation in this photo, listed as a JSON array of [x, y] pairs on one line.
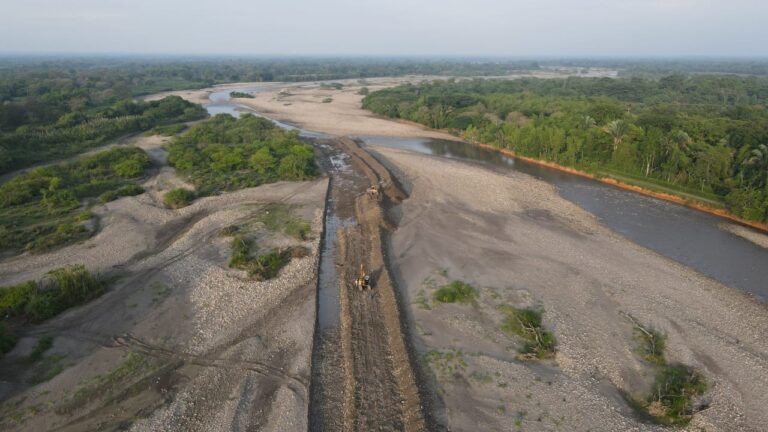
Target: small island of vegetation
[[237, 94], [225, 154]]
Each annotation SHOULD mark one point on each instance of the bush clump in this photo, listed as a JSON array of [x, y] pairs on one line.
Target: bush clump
[[38, 301], [527, 323], [225, 154], [262, 267], [178, 198], [670, 400], [243, 95], [676, 385], [455, 292]]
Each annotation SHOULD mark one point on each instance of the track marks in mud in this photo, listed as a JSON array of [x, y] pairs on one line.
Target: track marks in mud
[[380, 386]]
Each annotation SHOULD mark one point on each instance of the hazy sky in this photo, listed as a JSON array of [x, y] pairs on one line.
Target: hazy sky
[[387, 27]]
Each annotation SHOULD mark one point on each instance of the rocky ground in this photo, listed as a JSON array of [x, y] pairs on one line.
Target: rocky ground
[[520, 244], [180, 341]]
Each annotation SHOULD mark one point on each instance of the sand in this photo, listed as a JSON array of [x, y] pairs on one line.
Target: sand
[[752, 235], [218, 350], [520, 243]]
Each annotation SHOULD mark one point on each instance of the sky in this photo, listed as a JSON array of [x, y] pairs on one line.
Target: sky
[[523, 28]]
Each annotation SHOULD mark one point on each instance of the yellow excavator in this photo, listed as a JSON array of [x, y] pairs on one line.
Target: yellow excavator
[[374, 192], [363, 281]]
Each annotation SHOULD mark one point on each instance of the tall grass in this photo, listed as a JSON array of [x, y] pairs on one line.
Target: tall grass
[[62, 289]]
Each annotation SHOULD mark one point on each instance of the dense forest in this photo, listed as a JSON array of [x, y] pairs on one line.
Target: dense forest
[[51, 108], [701, 135], [74, 132], [225, 153]]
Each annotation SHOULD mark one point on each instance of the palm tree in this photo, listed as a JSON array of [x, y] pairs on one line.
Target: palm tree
[[682, 139], [617, 129], [757, 160], [587, 122]]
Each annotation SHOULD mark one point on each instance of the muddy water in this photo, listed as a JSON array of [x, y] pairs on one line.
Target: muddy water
[[328, 284], [685, 235]]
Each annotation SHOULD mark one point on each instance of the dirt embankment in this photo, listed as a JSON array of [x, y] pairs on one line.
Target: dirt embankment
[[380, 386], [520, 244]]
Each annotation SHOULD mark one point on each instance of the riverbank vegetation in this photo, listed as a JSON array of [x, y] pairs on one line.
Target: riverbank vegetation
[[237, 94], [224, 154], [703, 137], [33, 302], [46, 207]]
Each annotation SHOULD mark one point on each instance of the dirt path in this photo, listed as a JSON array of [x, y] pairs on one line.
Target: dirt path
[[377, 385]]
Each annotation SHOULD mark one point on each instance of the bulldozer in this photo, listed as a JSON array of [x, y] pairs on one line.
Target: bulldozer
[[374, 192], [364, 280]]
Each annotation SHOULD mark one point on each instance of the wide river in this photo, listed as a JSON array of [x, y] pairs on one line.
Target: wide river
[[687, 236]]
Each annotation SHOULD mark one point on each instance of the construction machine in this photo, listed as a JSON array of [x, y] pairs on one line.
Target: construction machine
[[364, 280], [374, 192]]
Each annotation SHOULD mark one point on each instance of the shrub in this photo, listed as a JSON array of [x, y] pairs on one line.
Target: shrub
[[526, 323], [178, 198], [66, 287], [67, 232], [262, 267], [38, 301], [108, 196], [84, 216], [13, 299], [237, 94], [652, 345], [673, 389], [268, 266], [129, 168], [670, 401], [130, 190], [240, 253], [229, 231], [455, 292]]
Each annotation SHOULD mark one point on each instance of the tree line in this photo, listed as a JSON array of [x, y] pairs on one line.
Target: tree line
[[705, 135]]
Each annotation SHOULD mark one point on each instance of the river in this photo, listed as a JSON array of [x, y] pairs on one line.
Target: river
[[690, 237]]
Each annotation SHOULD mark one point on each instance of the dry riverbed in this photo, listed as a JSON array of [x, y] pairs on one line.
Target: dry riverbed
[[520, 244], [179, 341]]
